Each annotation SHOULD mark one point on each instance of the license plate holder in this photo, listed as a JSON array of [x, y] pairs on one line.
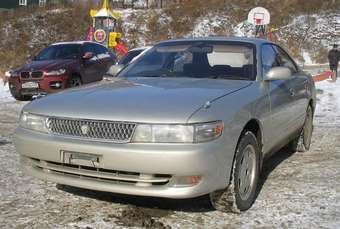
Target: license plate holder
[[82, 159], [30, 85]]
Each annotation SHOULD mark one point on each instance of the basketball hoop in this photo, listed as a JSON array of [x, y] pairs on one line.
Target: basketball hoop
[[259, 17], [258, 21]]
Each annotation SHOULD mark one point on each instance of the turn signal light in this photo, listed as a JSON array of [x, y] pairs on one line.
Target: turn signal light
[[188, 180]]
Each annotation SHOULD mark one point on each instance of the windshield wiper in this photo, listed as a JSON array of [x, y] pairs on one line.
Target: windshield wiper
[[229, 77], [152, 75]]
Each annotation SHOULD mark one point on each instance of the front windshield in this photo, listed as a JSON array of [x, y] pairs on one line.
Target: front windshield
[[65, 51], [196, 59], [128, 57]]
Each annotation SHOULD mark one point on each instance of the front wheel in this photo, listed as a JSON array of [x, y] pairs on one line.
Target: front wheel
[[303, 141], [74, 81], [241, 192]]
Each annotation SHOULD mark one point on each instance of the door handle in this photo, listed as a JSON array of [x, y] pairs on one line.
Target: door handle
[[291, 92]]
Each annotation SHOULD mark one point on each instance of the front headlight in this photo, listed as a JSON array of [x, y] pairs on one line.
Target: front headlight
[[56, 72], [8, 73], [192, 133], [33, 122], [11, 73]]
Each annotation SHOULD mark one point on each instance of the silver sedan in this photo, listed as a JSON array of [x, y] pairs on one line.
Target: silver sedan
[[190, 117]]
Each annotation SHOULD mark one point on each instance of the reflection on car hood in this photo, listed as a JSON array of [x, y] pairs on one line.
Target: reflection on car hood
[[44, 65], [154, 100]]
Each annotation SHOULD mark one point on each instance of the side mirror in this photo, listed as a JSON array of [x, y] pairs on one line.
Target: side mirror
[[278, 73], [88, 55], [115, 69]]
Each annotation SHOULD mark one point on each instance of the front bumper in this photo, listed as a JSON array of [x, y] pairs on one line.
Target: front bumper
[[41, 157], [45, 85]]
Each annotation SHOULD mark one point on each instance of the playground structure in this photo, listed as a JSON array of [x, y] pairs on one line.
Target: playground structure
[[104, 28]]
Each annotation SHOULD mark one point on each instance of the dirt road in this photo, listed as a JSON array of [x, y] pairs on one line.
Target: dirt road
[[298, 190]]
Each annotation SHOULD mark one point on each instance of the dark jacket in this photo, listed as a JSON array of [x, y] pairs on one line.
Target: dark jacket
[[333, 57]]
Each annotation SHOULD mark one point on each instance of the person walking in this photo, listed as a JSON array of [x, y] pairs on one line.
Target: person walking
[[333, 58]]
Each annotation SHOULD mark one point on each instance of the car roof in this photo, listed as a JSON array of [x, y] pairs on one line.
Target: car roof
[[76, 42], [255, 41], [140, 48]]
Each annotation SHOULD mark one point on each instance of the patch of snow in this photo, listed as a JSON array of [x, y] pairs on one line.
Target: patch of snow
[[328, 100], [212, 24], [129, 18], [5, 95], [58, 10], [244, 29], [306, 57], [311, 28]]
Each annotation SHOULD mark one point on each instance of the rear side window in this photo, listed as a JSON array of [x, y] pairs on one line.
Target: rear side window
[[269, 58]]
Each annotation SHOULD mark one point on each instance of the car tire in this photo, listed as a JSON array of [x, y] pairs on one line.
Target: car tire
[[241, 192], [74, 81], [303, 141], [23, 97]]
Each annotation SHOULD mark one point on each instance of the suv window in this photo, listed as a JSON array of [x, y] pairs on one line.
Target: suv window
[[88, 48], [269, 58], [100, 49], [63, 51], [285, 59]]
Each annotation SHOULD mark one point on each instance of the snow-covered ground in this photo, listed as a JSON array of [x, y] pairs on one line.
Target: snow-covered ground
[[5, 95], [297, 190]]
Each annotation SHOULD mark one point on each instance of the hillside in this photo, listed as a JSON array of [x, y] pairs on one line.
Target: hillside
[[307, 30]]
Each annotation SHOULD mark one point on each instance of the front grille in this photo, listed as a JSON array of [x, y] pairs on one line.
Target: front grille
[[100, 174], [37, 74], [25, 75], [119, 132]]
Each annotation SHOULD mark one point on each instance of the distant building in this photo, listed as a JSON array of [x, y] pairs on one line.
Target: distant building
[[11, 4]]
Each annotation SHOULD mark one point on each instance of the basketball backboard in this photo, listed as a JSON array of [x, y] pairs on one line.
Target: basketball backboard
[[259, 16]]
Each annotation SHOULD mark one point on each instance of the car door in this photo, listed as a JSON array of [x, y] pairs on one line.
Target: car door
[[104, 58], [298, 86], [281, 100], [109, 57], [89, 69]]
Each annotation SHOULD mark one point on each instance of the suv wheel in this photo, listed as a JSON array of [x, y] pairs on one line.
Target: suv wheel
[[74, 81], [241, 192]]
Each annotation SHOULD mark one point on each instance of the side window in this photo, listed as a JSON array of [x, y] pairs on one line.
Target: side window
[[98, 49], [104, 50], [285, 60], [269, 58], [180, 59], [88, 48], [101, 51]]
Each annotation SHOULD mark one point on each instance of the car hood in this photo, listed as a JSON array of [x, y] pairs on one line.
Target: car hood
[[44, 65], [151, 100]]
